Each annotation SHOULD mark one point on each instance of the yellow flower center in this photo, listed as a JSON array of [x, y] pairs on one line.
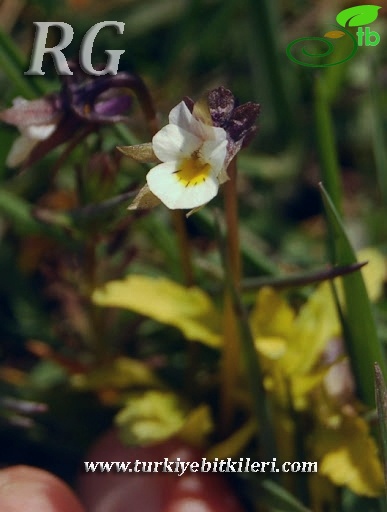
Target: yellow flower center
[[192, 170]]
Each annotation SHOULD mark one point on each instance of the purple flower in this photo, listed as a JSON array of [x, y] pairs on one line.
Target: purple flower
[[84, 102]]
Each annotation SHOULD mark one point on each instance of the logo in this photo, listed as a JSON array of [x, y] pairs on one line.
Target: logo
[[39, 48], [358, 16]]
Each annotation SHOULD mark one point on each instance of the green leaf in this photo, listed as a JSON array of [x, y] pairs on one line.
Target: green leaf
[[12, 64], [358, 15], [279, 499], [326, 143], [378, 132], [359, 326], [19, 213], [381, 404]]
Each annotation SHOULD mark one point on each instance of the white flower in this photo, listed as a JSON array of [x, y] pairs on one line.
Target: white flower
[[33, 129], [193, 156]]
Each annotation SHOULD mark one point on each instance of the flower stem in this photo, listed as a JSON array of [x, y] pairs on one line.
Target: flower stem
[[179, 223], [146, 102], [231, 348], [231, 214]]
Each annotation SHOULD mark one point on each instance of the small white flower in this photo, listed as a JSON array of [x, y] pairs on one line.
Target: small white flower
[[32, 130], [193, 156]]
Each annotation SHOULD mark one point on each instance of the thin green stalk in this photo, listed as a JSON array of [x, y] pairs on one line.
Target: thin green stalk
[[297, 280], [19, 84], [231, 347], [238, 335], [326, 145], [231, 215], [260, 403], [12, 64], [381, 404], [264, 38], [179, 223], [378, 135]]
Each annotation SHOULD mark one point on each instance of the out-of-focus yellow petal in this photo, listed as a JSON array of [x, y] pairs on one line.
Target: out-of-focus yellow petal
[[271, 347], [271, 316], [302, 385], [374, 273], [122, 373], [233, 445], [315, 325], [197, 426], [150, 417], [189, 309], [348, 456]]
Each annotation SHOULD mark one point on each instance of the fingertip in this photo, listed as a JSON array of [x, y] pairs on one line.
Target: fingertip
[[29, 489]]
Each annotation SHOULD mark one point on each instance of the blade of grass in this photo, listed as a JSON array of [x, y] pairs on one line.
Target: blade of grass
[[259, 400], [378, 135], [303, 279], [330, 170], [279, 499], [381, 405], [263, 42], [363, 344], [19, 213], [13, 65], [252, 253]]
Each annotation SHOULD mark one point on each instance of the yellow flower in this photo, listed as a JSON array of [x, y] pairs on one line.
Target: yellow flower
[[291, 346], [188, 309]]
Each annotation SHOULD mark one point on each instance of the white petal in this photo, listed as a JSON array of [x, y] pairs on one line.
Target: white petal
[[20, 150], [208, 132], [173, 143], [214, 153], [165, 185], [181, 116], [18, 101], [39, 132]]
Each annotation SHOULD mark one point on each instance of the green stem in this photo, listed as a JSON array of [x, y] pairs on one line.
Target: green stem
[[264, 41], [378, 134], [11, 63]]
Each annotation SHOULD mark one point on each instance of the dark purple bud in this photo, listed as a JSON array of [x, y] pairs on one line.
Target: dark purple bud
[[101, 99], [221, 103], [110, 108], [242, 119], [248, 138], [237, 121]]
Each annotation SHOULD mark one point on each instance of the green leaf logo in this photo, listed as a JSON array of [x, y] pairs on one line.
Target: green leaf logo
[[358, 15]]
